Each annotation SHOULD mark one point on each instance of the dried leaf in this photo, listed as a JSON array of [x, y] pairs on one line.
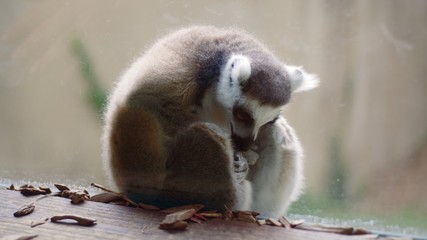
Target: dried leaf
[[199, 217], [38, 222], [130, 202], [106, 197], [148, 207], [283, 220], [25, 210], [28, 237], [196, 220], [326, 228], [297, 223], [178, 216], [261, 222], [210, 211], [196, 207], [46, 189], [179, 225], [26, 186], [68, 193], [61, 187], [32, 191], [228, 214], [210, 214], [254, 214], [361, 231], [274, 222], [245, 216], [76, 197], [82, 221]]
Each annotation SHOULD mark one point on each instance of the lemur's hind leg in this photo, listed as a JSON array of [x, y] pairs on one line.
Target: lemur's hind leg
[[136, 151], [200, 169]]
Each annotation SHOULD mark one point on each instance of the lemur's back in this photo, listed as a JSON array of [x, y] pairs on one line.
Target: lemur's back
[[191, 60]]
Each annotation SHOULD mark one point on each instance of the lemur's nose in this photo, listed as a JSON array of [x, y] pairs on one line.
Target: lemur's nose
[[242, 143]]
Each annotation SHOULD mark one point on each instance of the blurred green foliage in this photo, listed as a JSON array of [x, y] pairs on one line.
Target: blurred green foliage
[[96, 95]]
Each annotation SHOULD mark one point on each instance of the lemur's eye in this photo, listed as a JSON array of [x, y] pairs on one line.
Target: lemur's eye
[[243, 115]]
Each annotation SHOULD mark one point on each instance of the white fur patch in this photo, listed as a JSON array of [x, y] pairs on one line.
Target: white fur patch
[[301, 80], [240, 68], [262, 114], [236, 72]]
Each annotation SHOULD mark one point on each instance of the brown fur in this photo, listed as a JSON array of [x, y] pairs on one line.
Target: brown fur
[[137, 149]]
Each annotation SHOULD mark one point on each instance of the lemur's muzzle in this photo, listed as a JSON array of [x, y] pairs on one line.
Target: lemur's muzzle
[[241, 143]]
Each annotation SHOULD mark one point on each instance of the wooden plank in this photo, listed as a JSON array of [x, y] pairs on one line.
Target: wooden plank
[[114, 222]]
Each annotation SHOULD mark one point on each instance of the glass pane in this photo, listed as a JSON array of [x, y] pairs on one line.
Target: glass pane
[[363, 130]]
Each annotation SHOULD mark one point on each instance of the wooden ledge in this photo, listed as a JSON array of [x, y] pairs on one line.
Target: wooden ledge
[[119, 222]]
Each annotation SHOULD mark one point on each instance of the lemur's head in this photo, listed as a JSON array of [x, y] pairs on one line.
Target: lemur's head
[[254, 94]]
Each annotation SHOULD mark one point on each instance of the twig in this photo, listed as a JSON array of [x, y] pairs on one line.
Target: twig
[[102, 188]]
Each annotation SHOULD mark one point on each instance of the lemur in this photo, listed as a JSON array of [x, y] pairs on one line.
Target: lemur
[[198, 119]]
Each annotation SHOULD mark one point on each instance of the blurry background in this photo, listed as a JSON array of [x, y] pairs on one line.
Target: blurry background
[[364, 129]]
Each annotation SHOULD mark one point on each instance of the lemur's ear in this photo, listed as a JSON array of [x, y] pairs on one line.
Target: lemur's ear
[[300, 80], [239, 68]]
